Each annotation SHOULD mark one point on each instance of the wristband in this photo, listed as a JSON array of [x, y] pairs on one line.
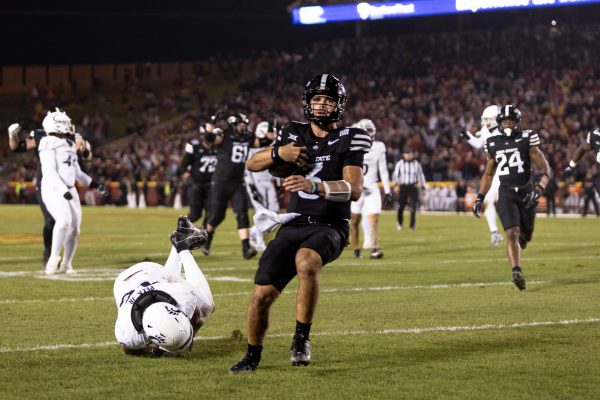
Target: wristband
[[480, 197], [275, 155], [572, 164], [315, 188]]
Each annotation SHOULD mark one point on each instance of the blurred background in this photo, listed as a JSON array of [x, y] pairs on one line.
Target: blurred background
[[138, 78]]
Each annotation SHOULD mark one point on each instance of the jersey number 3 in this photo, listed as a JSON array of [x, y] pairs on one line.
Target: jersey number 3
[[505, 163]]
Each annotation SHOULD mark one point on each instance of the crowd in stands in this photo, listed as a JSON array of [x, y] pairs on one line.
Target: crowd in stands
[[418, 89]]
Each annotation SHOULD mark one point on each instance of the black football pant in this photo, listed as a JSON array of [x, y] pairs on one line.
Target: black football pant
[[198, 197], [408, 193]]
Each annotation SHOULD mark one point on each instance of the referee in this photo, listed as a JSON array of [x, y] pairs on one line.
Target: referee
[[407, 174]]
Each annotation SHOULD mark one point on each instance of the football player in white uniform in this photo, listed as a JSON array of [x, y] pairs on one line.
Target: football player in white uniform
[[60, 170], [489, 127], [261, 185], [368, 206], [159, 312]]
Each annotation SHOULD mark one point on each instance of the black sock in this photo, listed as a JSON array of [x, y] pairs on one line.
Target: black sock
[[357, 252], [245, 245], [254, 352], [304, 329], [517, 268], [209, 239]]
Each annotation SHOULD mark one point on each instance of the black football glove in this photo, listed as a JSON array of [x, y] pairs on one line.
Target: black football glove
[[387, 200], [462, 133], [569, 170], [68, 196], [478, 206], [255, 194], [532, 199], [103, 190]]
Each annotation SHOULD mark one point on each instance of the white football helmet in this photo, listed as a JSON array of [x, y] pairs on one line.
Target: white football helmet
[[488, 117], [261, 129], [367, 125], [57, 122], [168, 327]]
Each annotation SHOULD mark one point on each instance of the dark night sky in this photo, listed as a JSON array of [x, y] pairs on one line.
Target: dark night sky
[[126, 31]]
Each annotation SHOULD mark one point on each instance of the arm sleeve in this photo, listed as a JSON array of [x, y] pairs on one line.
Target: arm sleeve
[[81, 176], [383, 172], [50, 169]]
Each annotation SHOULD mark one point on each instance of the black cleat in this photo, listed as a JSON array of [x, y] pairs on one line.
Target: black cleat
[[251, 252], [357, 253], [205, 249], [300, 350], [187, 236], [246, 364], [518, 279], [376, 254], [186, 227]]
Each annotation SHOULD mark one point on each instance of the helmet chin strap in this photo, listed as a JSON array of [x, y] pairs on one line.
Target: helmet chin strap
[[507, 131]]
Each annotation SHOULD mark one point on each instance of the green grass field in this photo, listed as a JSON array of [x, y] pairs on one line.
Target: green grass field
[[436, 318]]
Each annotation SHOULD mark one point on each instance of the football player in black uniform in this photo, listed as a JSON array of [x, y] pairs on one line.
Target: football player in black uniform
[[19, 142], [198, 164], [512, 153], [321, 195], [228, 179], [592, 142]]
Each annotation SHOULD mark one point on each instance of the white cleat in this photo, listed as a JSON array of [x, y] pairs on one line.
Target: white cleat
[[496, 238], [66, 269], [52, 265]]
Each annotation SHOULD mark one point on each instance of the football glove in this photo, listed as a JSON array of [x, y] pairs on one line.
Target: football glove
[[462, 133], [103, 190], [532, 199], [387, 200], [255, 193], [478, 206], [68, 196], [14, 130], [569, 170]]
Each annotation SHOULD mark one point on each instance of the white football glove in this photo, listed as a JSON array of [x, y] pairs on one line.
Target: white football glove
[[14, 130]]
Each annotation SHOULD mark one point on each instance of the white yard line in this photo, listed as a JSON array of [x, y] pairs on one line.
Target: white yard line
[[386, 331]]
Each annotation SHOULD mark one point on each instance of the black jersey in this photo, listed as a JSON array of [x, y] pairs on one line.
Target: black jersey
[[232, 155], [593, 139], [199, 161], [37, 135], [329, 156], [513, 163]]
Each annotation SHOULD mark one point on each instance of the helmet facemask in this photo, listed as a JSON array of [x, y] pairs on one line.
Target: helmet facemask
[[511, 113]]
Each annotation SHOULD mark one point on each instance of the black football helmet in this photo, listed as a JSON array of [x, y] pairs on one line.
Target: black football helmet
[[328, 85], [236, 119], [509, 112]]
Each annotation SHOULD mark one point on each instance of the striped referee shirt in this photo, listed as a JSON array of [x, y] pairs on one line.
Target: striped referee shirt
[[409, 173]]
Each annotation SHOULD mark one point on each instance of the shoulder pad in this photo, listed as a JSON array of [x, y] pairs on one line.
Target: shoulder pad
[[189, 148], [49, 143]]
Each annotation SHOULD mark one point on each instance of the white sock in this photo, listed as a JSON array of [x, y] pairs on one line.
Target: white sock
[[490, 216], [69, 250], [195, 277], [173, 263]]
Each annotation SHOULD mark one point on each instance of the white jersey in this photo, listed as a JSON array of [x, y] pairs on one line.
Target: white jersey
[[375, 165], [60, 168], [144, 277], [480, 137]]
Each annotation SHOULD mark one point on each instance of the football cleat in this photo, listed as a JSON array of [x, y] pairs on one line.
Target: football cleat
[[495, 239], [66, 269], [52, 265], [357, 253], [251, 252], [186, 227], [246, 364], [376, 254], [300, 350], [398, 227], [518, 279]]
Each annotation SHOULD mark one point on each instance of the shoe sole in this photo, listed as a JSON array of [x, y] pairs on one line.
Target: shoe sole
[[297, 363]]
